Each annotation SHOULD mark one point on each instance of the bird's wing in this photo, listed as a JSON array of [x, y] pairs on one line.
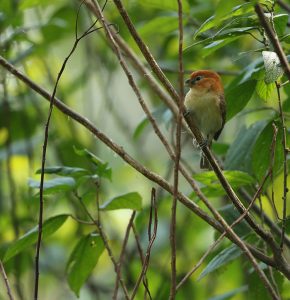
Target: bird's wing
[[223, 114]]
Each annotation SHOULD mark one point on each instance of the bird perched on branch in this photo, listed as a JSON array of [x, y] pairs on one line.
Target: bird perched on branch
[[205, 102]]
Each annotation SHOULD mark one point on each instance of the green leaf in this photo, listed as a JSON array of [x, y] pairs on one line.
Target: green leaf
[[265, 91], [230, 214], [261, 157], [224, 7], [213, 21], [213, 187], [239, 156], [24, 4], [226, 256], [131, 200], [235, 178], [55, 185], [220, 148], [64, 171], [256, 288], [166, 5], [140, 128], [238, 97], [165, 25], [230, 294], [102, 168], [83, 259], [280, 23], [50, 226], [208, 49]]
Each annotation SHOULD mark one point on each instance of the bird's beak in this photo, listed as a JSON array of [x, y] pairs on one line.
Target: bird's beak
[[187, 82]]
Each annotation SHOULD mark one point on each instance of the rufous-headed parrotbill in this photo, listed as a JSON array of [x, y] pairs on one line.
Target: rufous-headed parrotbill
[[205, 102]]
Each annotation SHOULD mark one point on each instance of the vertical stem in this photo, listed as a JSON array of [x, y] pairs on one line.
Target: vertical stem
[[177, 157], [285, 169]]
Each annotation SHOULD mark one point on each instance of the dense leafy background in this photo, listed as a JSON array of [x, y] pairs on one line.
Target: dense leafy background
[[36, 36]]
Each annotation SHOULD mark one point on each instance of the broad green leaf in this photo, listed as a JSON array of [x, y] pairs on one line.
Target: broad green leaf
[[261, 157], [64, 171], [280, 23], [238, 97], [239, 156], [223, 258], [102, 168], [55, 185], [128, 201], [49, 227], [83, 259], [230, 294]]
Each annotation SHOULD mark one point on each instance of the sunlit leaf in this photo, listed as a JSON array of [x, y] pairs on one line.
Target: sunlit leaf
[[127, 201], [83, 260], [49, 227]]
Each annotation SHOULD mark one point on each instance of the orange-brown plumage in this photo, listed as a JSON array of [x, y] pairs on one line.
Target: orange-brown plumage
[[205, 102]]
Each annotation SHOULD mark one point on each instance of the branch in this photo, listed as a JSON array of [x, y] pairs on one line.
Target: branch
[[8, 289], [274, 39]]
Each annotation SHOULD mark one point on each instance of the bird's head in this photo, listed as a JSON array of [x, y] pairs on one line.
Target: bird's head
[[205, 81]]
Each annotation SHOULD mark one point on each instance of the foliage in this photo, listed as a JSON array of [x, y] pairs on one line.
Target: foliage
[[90, 193]]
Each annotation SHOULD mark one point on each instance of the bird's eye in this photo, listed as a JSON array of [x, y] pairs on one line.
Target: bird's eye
[[198, 78]]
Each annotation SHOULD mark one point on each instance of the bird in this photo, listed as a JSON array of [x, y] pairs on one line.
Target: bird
[[205, 103]]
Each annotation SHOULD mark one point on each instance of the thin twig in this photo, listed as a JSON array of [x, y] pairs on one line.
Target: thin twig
[[177, 157], [285, 168], [104, 239], [152, 237], [6, 281], [45, 142], [122, 254], [274, 39]]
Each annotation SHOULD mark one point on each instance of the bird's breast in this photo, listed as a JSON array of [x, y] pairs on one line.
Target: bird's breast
[[205, 108]]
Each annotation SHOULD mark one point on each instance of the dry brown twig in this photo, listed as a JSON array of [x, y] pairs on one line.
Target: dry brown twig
[[6, 281]]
